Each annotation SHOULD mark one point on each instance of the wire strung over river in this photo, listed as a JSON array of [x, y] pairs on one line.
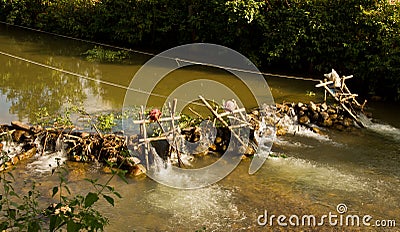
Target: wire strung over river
[[173, 58]]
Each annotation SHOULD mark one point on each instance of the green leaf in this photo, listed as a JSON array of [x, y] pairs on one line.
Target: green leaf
[[72, 226], [117, 194], [91, 180], [66, 188], [12, 213], [12, 193], [122, 176], [110, 188], [90, 199], [3, 226], [55, 222], [55, 191], [109, 199], [34, 227]]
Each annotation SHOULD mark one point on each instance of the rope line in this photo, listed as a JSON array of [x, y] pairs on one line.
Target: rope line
[[87, 77], [152, 54]]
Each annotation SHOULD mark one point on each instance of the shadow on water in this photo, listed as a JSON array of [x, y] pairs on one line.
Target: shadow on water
[[26, 87]]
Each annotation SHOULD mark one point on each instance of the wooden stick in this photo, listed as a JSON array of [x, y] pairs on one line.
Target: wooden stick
[[344, 106], [220, 119], [197, 114], [158, 138], [232, 112], [146, 143], [45, 143], [7, 132], [141, 121], [323, 84]]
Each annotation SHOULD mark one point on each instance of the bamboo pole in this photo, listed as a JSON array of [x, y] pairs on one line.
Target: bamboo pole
[[215, 113], [144, 132], [172, 113]]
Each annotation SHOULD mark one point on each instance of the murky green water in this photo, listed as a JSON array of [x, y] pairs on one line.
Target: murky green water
[[360, 168]]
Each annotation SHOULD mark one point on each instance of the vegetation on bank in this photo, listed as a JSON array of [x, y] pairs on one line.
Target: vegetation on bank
[[359, 37]]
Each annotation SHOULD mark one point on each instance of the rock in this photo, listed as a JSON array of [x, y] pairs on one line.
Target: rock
[[213, 147], [333, 116], [281, 131], [18, 135], [327, 123], [36, 129], [304, 108], [84, 135], [331, 111], [324, 115], [324, 107], [20, 125], [312, 106], [339, 127], [139, 170], [315, 116], [348, 122], [316, 130], [304, 119]]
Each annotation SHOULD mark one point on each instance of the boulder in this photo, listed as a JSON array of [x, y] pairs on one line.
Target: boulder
[[348, 122], [327, 123], [312, 106], [304, 119], [324, 115], [20, 125]]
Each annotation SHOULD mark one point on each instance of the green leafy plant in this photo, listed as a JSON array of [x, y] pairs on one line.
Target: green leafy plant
[[17, 211], [106, 122], [73, 213], [99, 54]]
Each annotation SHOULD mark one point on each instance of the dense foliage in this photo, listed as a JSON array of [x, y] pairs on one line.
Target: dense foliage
[[359, 37]]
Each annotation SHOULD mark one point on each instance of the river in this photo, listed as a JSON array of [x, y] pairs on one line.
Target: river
[[359, 168]]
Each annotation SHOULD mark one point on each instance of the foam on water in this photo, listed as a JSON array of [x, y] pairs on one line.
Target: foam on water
[[45, 162], [386, 130], [309, 173], [10, 149], [281, 141], [293, 127], [211, 207]]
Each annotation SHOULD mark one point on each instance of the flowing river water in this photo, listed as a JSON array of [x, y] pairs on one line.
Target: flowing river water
[[360, 169]]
